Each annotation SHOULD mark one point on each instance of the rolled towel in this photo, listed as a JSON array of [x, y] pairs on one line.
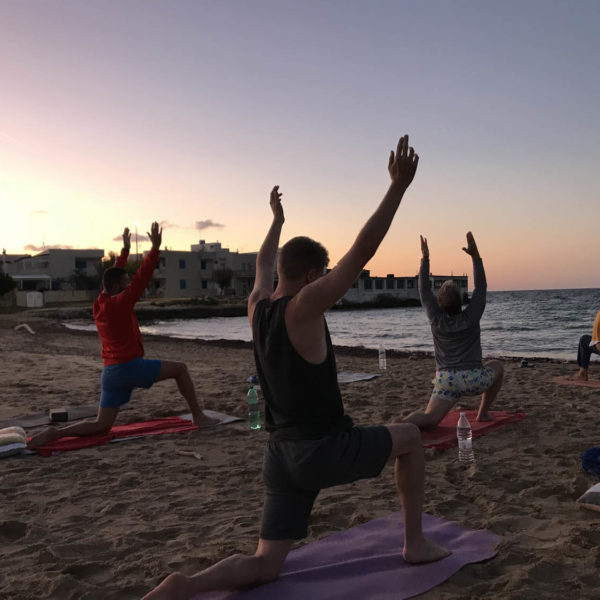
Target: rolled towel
[[12, 435]]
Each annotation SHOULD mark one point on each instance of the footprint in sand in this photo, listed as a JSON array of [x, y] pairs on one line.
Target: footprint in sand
[[12, 530]]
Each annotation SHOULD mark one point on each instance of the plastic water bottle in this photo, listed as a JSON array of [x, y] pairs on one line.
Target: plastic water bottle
[[465, 439], [253, 409], [382, 361]]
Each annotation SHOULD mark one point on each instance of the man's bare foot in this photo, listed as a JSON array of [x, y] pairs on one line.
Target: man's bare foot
[[582, 375], [484, 417], [50, 434], [424, 551], [203, 420], [174, 587]]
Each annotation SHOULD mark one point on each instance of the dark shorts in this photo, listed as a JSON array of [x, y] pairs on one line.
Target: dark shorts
[[294, 471], [118, 381]]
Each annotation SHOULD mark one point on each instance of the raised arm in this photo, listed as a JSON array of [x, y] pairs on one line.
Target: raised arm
[[121, 260], [315, 298], [265, 260], [143, 276], [478, 299], [428, 299]]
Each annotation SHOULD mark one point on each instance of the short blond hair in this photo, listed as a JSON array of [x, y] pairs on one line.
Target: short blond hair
[[449, 298]]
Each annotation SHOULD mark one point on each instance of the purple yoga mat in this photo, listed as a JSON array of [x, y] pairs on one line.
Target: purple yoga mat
[[366, 562]]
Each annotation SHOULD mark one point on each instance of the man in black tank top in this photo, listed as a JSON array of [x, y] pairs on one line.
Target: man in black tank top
[[313, 444]]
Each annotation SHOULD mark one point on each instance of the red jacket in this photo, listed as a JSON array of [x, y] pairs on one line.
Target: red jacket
[[114, 315]]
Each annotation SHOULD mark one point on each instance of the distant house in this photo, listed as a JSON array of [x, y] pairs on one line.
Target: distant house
[[181, 273], [54, 269], [368, 288], [185, 274], [6, 261]]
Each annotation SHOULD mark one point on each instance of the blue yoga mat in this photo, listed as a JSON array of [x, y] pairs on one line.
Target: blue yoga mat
[[366, 562]]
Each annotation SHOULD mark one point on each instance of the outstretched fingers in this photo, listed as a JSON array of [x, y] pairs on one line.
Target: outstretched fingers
[[402, 165], [424, 247], [275, 195], [275, 203]]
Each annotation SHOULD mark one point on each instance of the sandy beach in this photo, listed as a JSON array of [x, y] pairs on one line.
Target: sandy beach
[[110, 522]]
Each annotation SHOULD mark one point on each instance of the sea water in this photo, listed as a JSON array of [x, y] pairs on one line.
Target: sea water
[[539, 323]]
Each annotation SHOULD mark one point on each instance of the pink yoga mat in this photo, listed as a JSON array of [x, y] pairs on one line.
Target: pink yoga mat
[[155, 427], [444, 435], [365, 563], [566, 380]]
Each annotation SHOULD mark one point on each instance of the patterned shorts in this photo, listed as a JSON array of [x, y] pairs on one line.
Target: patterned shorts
[[450, 384]]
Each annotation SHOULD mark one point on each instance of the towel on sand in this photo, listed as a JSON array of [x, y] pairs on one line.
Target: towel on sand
[[350, 377], [568, 380], [366, 562], [118, 432], [444, 435], [43, 418]]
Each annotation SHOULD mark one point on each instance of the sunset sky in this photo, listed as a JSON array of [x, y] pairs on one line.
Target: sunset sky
[[188, 112]]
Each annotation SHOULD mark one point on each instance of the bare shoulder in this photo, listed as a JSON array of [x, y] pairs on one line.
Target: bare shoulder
[[306, 331], [256, 296]]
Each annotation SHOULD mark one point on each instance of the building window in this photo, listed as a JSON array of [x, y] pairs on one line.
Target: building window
[[355, 284], [161, 262], [204, 284], [80, 263], [182, 284], [463, 283], [389, 284], [182, 264], [437, 284], [379, 284], [203, 265], [410, 283], [368, 284], [400, 284]]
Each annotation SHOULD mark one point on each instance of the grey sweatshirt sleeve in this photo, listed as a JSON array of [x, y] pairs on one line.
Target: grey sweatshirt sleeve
[[428, 299], [477, 304]]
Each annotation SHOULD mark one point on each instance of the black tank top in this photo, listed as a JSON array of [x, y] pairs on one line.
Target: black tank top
[[302, 400]]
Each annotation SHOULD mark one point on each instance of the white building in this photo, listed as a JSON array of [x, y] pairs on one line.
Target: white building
[[369, 289], [196, 272], [181, 274], [54, 269]]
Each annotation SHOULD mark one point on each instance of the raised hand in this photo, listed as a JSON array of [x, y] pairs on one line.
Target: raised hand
[[155, 235], [402, 166], [126, 239], [471, 248], [424, 247], [275, 202]]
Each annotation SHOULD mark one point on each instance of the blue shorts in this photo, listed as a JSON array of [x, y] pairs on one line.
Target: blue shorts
[[451, 384], [119, 380]]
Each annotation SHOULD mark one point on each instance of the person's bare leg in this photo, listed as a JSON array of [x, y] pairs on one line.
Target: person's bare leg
[[409, 473], [490, 394], [102, 424], [436, 410], [234, 572], [179, 372], [584, 353]]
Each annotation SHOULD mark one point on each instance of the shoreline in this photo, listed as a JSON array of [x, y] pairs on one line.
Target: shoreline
[[53, 324]]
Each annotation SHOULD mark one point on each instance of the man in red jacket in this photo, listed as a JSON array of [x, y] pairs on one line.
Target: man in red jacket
[[122, 348]]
